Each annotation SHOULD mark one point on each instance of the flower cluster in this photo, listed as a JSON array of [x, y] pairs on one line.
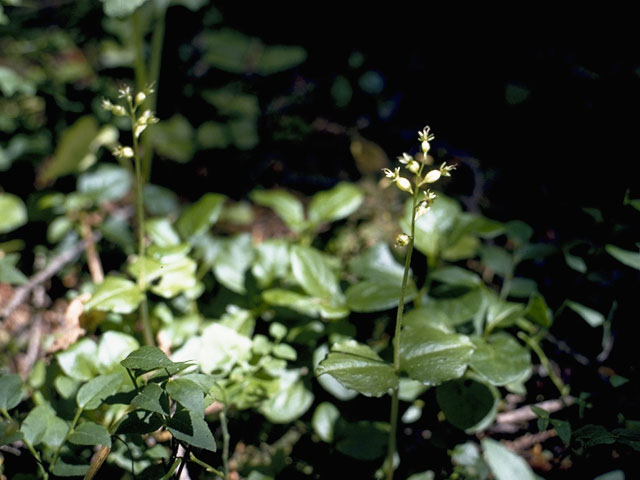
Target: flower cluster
[[139, 122], [423, 177]]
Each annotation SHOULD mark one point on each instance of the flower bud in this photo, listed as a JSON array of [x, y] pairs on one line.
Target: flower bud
[[404, 184], [127, 152], [433, 176], [413, 166], [402, 240], [140, 97], [119, 110], [425, 147]]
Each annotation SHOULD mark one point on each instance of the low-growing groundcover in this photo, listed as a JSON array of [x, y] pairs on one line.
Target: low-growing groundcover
[[372, 324]]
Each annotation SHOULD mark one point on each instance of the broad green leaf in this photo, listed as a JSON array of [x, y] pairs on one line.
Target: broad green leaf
[[433, 228], [563, 428], [14, 212], [63, 469], [335, 204], [105, 184], [287, 352], [592, 435], [500, 359], [188, 393], [409, 389], [199, 217], [323, 421], [271, 262], [233, 260], [113, 347], [120, 8], [11, 82], [535, 251], [497, 259], [10, 391], [189, 427], [9, 432], [278, 58], [290, 402], [501, 313], [519, 231], [377, 263], [89, 433], [310, 306], [162, 232], [462, 248], [115, 294], [233, 103], [166, 278], [453, 275], [426, 475], [593, 318], [159, 201], [314, 274], [358, 367], [91, 395], [79, 360], [538, 311], [43, 426], [454, 311], [287, 206], [174, 139], [363, 440], [543, 417], [631, 259], [432, 356], [140, 422], [213, 134], [481, 226], [376, 295], [243, 133], [146, 359], [522, 287], [152, 399], [67, 387], [328, 382], [575, 262], [505, 464], [8, 271]]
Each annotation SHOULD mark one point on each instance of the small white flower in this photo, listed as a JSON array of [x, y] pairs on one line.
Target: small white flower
[[433, 176]]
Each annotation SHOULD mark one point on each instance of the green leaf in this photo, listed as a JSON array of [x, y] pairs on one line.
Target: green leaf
[[310, 306], [358, 367], [199, 217], [286, 352], [314, 274], [79, 360], [8, 271], [376, 295], [563, 428], [62, 469], [468, 404], [91, 395], [433, 228], [453, 275], [159, 201], [14, 212], [188, 393], [9, 432], [497, 259], [335, 204], [272, 261], [115, 294], [593, 318], [169, 277], [432, 356], [535, 251], [113, 347], [324, 420], [120, 8], [631, 259], [377, 263], [505, 464], [522, 287], [233, 260], [10, 391], [43, 426], [174, 139], [152, 399], [363, 440], [105, 184], [519, 231], [278, 58], [500, 359], [538, 311], [140, 422], [575, 262], [328, 382], [162, 232], [447, 311], [501, 313], [146, 359], [189, 427], [290, 402], [543, 417], [287, 206], [89, 433]]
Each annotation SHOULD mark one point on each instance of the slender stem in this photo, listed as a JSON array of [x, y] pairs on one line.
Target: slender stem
[[395, 399], [544, 360], [147, 332], [35, 454], [225, 441], [174, 467], [138, 39], [76, 417], [206, 466]]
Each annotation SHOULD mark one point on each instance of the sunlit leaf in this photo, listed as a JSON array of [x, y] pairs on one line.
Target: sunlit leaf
[[120, 8], [592, 317], [10, 391], [290, 402], [314, 274], [328, 382], [505, 464], [89, 433], [287, 206], [335, 204], [14, 212], [107, 183], [500, 359], [197, 218], [323, 421], [631, 259], [91, 395], [189, 427]]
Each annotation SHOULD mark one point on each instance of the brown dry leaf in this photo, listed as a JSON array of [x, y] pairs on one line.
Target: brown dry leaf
[[69, 330]]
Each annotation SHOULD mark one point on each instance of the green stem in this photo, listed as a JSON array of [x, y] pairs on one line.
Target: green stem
[[225, 441], [206, 466], [139, 63], [544, 360], [35, 455], [174, 467], [395, 399], [76, 417], [147, 332]]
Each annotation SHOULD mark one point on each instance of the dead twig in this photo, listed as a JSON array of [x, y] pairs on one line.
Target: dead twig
[[525, 414]]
